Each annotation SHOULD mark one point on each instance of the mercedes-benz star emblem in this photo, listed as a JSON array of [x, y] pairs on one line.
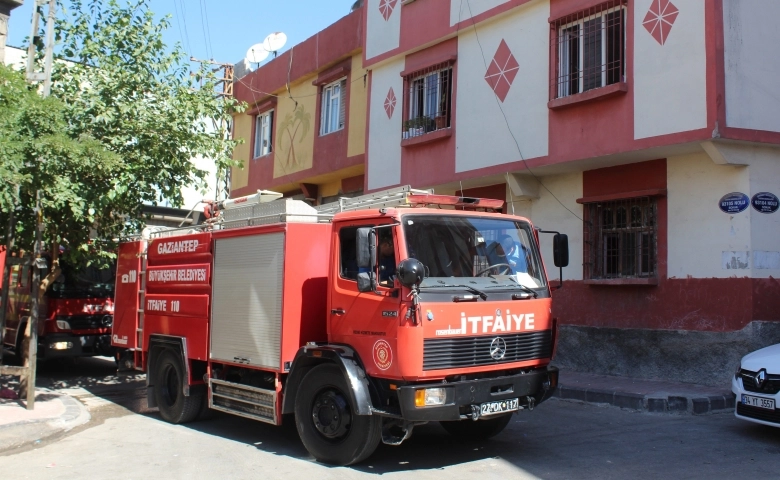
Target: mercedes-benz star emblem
[[759, 378], [497, 348]]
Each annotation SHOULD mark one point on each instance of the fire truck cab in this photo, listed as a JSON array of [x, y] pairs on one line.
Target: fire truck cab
[[363, 319], [75, 313]]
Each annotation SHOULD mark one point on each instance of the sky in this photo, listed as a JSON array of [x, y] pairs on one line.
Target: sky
[[228, 28]]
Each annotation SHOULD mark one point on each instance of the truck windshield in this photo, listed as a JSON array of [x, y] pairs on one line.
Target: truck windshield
[[490, 252], [84, 282]]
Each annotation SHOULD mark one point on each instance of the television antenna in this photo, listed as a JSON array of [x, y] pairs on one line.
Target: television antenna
[[274, 42]]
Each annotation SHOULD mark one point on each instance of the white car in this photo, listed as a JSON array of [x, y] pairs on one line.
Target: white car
[[756, 384]]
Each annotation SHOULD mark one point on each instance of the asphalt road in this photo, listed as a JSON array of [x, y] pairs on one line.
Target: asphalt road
[[559, 439]]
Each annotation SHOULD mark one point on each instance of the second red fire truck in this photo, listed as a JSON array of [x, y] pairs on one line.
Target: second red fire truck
[[363, 319]]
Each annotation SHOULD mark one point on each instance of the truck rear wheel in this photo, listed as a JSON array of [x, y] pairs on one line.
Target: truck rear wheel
[[479, 430], [169, 380], [327, 421]]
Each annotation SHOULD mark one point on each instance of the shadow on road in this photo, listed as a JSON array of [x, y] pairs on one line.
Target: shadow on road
[[560, 439]]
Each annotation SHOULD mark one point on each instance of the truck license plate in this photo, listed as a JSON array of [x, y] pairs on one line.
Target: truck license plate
[[501, 406], [768, 403]]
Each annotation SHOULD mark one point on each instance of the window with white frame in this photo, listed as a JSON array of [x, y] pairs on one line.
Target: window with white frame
[[429, 97], [333, 111], [263, 130], [590, 49]]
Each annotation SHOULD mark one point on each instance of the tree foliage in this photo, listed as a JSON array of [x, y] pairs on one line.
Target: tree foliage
[[123, 122]]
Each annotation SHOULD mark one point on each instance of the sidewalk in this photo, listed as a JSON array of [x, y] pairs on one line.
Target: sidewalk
[[53, 413], [643, 395]]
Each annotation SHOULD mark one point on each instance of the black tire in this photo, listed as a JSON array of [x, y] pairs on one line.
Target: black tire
[[169, 378], [479, 430], [326, 420]]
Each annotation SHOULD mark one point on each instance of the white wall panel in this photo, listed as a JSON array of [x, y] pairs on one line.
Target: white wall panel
[[698, 231], [752, 63], [384, 135], [547, 214], [483, 138], [382, 35], [670, 81], [464, 9]]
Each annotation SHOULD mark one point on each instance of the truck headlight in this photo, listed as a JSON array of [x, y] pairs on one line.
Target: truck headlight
[[426, 397], [61, 345], [63, 325]]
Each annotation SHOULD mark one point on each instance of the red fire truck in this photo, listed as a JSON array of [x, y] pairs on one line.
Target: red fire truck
[[363, 319], [75, 314]]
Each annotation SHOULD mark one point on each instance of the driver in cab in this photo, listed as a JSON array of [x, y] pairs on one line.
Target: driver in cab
[[505, 256], [386, 260]]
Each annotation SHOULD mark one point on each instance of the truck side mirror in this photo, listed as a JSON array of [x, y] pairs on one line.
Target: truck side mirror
[[366, 259], [561, 250]]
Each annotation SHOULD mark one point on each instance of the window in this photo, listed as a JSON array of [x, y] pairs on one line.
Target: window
[[263, 130], [590, 49], [332, 115], [385, 254], [429, 101], [622, 237]]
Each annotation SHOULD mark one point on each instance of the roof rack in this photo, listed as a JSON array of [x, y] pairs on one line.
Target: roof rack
[[407, 196], [393, 197]]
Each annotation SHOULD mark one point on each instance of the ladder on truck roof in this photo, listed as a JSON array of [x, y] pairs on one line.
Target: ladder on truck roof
[[393, 197], [255, 210]]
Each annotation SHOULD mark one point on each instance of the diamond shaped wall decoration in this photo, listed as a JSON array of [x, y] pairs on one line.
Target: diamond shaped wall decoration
[[390, 103], [502, 71], [386, 8], [659, 19]]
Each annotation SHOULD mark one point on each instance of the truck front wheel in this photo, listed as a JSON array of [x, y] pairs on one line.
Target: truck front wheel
[[327, 421], [479, 430], [169, 380]]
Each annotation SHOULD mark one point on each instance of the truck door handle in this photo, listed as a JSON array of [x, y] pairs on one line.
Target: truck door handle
[[338, 311]]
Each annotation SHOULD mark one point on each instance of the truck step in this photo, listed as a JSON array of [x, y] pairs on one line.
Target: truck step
[[243, 400]]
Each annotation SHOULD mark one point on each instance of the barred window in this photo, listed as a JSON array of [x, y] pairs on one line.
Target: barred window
[[590, 48], [429, 100], [621, 237]]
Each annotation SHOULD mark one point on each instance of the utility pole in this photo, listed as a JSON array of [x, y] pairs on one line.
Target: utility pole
[[28, 371], [225, 83]]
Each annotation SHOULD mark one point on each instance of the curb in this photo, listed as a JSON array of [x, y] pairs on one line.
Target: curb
[[653, 403], [28, 432]]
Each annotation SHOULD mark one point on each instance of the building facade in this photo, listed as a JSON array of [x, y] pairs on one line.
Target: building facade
[[646, 130], [304, 132]]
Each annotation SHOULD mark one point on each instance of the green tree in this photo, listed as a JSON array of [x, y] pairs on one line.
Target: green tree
[[123, 122]]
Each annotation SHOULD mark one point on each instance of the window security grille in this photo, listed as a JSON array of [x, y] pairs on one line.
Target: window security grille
[[621, 238], [590, 49], [429, 100], [333, 111]]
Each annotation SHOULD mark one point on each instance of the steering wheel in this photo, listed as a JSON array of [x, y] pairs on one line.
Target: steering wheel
[[507, 269]]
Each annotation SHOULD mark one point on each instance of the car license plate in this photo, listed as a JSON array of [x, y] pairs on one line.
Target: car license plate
[[501, 406], [760, 402]]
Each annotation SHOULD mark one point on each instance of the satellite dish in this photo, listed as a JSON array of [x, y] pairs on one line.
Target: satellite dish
[[256, 53], [274, 42]]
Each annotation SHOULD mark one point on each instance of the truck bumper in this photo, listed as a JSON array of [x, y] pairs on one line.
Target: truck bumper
[[66, 345], [463, 398]]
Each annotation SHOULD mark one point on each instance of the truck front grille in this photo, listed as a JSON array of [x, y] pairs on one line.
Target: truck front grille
[[455, 352], [87, 322]]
